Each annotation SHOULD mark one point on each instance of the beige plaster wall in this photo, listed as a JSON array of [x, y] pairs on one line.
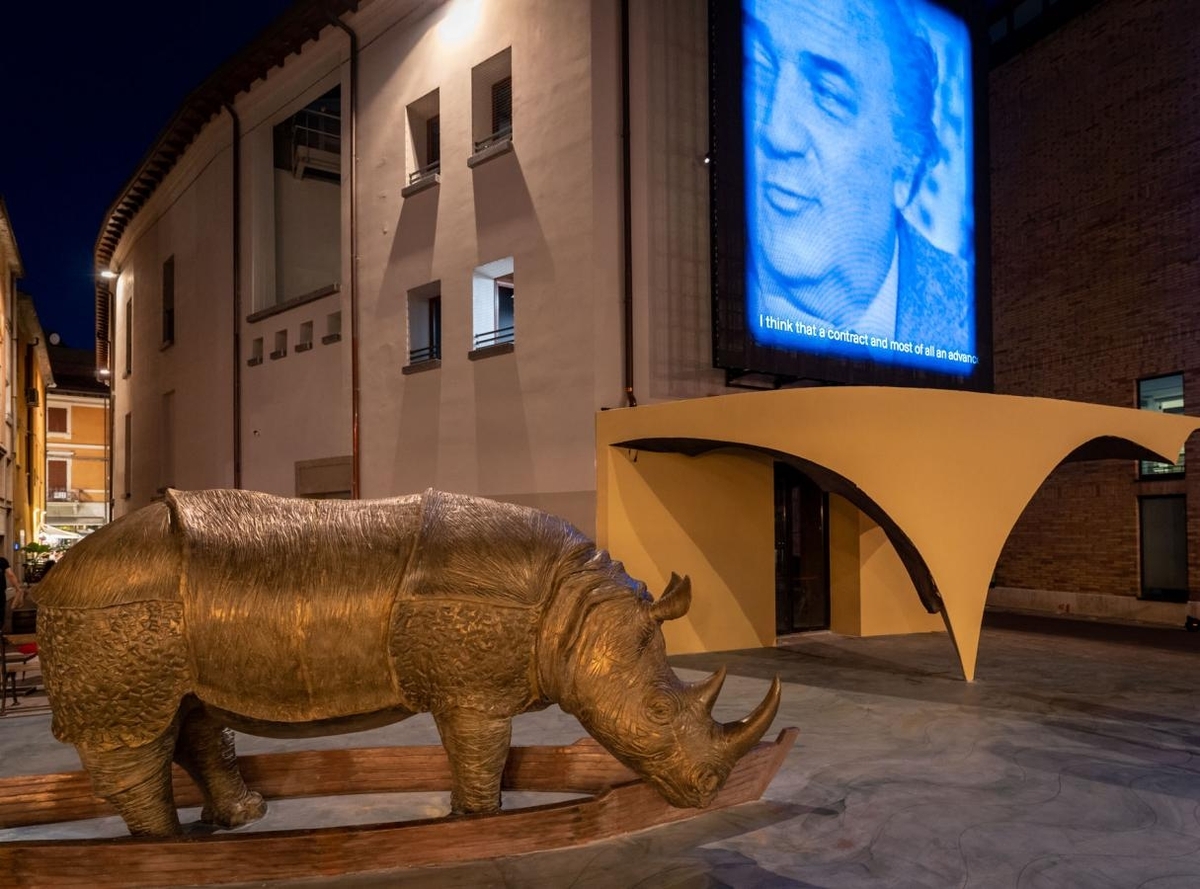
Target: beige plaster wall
[[515, 426], [709, 517]]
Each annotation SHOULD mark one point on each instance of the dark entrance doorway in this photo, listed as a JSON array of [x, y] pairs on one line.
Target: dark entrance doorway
[[801, 553]]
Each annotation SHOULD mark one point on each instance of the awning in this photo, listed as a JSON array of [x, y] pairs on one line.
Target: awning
[[51, 535]]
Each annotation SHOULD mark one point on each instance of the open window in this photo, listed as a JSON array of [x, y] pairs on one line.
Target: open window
[[493, 305], [424, 128], [492, 107], [425, 324]]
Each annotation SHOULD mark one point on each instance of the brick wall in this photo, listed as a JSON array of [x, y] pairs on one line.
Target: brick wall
[[1095, 166]]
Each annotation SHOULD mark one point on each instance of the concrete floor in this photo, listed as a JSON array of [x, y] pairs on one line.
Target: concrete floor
[[1070, 762]]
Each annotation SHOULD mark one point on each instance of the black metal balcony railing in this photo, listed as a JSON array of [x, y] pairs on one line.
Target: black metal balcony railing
[[425, 171], [499, 136], [428, 353], [494, 337], [62, 495]]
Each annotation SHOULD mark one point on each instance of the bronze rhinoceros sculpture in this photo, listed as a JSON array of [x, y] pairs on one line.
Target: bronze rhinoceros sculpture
[[287, 618]]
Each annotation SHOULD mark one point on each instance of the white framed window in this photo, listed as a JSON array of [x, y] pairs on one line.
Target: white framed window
[[493, 292]]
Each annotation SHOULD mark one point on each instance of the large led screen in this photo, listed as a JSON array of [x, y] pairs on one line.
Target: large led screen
[[844, 191]]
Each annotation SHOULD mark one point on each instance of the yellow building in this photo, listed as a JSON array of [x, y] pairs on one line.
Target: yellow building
[[76, 446], [34, 378], [11, 270]]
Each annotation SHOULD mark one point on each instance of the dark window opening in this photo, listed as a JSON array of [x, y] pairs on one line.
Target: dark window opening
[[168, 301]]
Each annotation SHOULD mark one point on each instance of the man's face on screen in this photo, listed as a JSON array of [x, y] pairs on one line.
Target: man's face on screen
[[827, 170]]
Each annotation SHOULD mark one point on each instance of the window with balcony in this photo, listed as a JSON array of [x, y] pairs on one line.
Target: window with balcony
[[57, 481], [424, 129], [491, 107], [1163, 394], [425, 325], [493, 307]]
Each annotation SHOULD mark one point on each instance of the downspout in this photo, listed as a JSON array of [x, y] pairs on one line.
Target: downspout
[[355, 455], [237, 294], [627, 196]]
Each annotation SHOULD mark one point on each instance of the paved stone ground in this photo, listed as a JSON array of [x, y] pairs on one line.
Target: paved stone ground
[[1070, 762]]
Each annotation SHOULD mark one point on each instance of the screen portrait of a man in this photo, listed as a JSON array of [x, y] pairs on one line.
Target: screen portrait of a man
[[859, 219]]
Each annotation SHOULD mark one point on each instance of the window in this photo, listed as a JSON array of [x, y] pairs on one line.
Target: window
[[128, 461], [56, 480], [256, 352], [492, 105], [493, 291], [424, 143], [128, 337], [1163, 533], [333, 328], [307, 150], [168, 301], [425, 323], [280, 349], [56, 419], [305, 341], [1163, 394]]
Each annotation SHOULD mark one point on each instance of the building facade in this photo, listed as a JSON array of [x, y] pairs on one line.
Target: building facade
[[76, 445], [1094, 278], [423, 246], [35, 380], [11, 271]]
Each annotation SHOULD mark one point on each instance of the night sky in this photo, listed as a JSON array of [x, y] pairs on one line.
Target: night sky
[[89, 87]]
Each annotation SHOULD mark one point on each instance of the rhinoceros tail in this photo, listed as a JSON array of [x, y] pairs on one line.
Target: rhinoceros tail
[[137, 558]]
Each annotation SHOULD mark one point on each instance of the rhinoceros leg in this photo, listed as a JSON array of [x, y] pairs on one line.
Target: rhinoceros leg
[[136, 781], [205, 750], [477, 747]]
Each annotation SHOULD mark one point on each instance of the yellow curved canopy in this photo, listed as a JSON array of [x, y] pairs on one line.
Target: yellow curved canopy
[[946, 474]]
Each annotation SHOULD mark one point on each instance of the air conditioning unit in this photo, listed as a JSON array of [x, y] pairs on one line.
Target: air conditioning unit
[[31, 397]]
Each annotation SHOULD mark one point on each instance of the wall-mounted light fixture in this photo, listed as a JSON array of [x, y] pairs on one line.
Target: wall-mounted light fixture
[[108, 274]]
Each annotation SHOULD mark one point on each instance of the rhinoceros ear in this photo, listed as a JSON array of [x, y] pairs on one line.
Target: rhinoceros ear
[[675, 600]]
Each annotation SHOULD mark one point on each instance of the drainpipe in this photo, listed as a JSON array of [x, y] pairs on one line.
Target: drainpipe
[[627, 196], [237, 295], [355, 456]]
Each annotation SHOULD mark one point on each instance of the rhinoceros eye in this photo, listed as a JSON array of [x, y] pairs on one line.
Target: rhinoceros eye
[[660, 710]]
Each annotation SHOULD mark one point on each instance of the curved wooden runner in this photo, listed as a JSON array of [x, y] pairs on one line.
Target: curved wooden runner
[[621, 804]]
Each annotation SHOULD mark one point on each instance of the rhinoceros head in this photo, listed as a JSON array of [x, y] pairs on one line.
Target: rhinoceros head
[[629, 699]]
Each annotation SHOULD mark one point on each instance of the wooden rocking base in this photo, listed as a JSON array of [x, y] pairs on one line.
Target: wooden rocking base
[[619, 803]]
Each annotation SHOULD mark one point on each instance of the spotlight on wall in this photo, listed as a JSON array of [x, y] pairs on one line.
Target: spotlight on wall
[[460, 21], [108, 274]]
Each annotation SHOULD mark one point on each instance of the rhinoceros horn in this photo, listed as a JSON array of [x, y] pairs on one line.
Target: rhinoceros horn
[[706, 690], [675, 600], [742, 735]]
